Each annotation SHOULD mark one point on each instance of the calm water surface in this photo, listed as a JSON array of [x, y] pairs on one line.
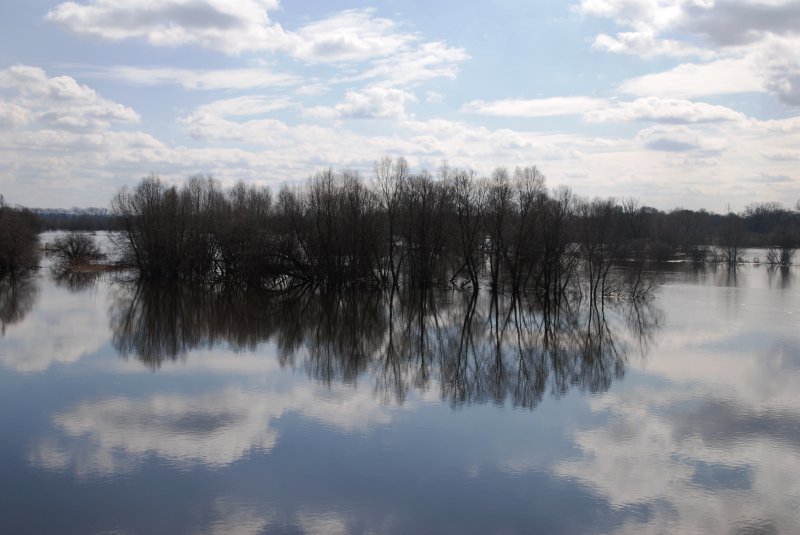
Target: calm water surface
[[130, 409]]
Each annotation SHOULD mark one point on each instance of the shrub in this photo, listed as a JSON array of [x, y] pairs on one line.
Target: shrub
[[74, 249]]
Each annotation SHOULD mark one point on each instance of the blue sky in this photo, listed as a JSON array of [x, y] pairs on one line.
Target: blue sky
[[688, 103]]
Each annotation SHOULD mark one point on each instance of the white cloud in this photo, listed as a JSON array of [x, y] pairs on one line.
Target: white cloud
[[778, 64], [57, 102], [645, 44], [679, 139], [742, 21], [352, 35], [754, 45], [246, 105], [689, 80], [370, 103], [12, 115], [394, 57], [434, 97], [416, 65], [659, 110], [542, 107], [236, 26], [231, 26], [770, 66], [648, 19], [248, 78], [655, 14]]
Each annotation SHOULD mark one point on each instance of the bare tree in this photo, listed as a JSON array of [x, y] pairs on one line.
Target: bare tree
[[19, 240], [74, 249], [469, 199], [390, 182]]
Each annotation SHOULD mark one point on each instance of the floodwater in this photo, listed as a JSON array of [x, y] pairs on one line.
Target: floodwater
[[130, 409]]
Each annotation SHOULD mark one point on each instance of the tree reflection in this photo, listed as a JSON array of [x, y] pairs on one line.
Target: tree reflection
[[74, 280], [477, 347], [779, 277], [17, 297], [156, 322]]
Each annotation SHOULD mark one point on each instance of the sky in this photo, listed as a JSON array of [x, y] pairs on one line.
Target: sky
[[678, 103]]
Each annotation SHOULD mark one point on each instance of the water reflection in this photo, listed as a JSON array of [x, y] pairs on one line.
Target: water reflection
[[74, 280], [701, 437], [473, 347], [17, 297], [49, 325], [214, 429], [779, 277]]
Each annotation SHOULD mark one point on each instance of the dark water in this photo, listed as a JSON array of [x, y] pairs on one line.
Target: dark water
[[131, 409]]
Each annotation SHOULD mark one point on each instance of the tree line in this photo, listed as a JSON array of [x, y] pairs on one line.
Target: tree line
[[19, 240], [504, 231], [76, 219]]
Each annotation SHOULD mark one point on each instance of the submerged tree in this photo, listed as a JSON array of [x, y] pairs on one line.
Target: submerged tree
[[74, 249], [508, 232], [19, 240]]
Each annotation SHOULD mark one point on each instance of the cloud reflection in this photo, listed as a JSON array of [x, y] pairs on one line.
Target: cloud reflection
[[115, 435], [63, 328], [698, 453]]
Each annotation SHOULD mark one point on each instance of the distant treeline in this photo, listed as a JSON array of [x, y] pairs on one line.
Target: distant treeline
[[76, 219]]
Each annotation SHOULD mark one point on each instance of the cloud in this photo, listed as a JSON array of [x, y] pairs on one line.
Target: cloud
[[56, 102], [689, 80], [434, 97], [768, 67], [12, 115], [370, 103], [656, 14], [779, 67], [543, 107], [394, 57], [673, 111], [351, 35], [425, 62], [250, 78], [772, 179], [786, 155], [751, 46], [231, 26], [645, 44], [647, 19], [739, 21], [235, 26], [678, 139], [245, 106]]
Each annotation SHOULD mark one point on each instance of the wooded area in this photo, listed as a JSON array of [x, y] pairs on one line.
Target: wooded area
[[508, 231]]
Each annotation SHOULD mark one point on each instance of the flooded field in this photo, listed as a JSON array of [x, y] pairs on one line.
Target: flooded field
[[161, 409]]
